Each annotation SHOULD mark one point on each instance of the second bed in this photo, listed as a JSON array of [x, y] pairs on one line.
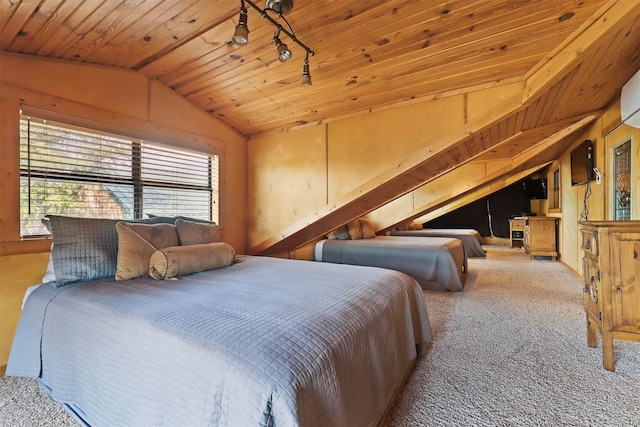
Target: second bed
[[437, 263], [471, 239]]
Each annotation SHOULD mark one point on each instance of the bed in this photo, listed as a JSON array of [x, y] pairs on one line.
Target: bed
[[471, 238], [261, 341], [437, 263]]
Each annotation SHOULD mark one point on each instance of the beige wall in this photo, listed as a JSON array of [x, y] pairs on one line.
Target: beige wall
[[290, 178], [113, 100], [295, 173], [605, 133]]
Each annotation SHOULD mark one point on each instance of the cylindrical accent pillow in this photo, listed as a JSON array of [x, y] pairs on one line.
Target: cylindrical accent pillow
[[182, 260]]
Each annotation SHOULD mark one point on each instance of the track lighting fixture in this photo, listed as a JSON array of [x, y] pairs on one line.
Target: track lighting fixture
[[278, 8]]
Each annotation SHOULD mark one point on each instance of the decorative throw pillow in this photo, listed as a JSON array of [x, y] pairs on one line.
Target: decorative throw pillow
[[367, 229], [137, 242], [182, 260], [83, 248], [355, 230], [415, 226], [195, 233], [340, 233]]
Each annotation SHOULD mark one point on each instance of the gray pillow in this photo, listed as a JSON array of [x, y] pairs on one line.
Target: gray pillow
[[84, 248]]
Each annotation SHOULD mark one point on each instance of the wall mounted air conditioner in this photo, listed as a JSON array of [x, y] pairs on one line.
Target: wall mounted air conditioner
[[630, 102]]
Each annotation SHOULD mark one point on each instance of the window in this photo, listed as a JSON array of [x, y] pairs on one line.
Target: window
[[554, 203], [69, 170], [622, 181]]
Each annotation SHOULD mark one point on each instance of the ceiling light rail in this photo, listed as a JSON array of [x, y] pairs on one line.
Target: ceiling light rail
[[279, 8]]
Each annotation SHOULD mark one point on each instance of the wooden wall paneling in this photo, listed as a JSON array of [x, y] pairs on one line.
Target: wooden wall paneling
[[479, 101], [78, 83], [287, 178], [17, 272], [363, 147], [380, 218], [462, 178], [371, 195], [9, 169]]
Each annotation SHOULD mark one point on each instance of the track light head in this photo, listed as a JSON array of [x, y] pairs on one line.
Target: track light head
[[306, 75], [241, 35], [284, 53]]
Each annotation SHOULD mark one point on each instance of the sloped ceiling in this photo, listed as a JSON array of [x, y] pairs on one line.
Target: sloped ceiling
[[572, 58]]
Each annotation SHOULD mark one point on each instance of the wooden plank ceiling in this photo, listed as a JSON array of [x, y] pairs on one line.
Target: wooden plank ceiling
[[369, 53], [572, 57]]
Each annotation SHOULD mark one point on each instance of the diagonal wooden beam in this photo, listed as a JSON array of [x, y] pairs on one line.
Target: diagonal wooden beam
[[519, 164], [517, 113], [387, 186]]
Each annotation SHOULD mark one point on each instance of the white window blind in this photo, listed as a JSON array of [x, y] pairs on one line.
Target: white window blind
[[69, 170]]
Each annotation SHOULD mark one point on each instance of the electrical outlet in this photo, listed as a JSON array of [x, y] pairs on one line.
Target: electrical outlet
[[598, 175]]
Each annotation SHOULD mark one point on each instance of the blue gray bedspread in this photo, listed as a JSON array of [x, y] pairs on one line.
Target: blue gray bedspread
[[437, 263], [471, 239], [265, 342]]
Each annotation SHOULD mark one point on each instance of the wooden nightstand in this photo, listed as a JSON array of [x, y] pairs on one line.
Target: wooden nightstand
[[540, 236], [516, 232]]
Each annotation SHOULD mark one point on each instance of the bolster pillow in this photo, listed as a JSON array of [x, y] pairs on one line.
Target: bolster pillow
[[181, 260]]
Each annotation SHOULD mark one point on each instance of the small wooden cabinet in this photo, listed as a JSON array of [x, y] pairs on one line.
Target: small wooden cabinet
[[540, 236], [516, 232], [611, 275]]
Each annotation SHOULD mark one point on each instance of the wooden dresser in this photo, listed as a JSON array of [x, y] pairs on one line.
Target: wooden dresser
[[540, 236], [611, 273]]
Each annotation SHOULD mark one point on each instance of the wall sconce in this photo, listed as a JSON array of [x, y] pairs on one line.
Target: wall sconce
[[279, 8]]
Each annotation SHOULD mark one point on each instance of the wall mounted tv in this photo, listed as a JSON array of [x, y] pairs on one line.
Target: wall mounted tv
[[582, 163], [535, 188]]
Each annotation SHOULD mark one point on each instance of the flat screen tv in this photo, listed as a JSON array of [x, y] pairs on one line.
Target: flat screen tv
[[535, 189], [582, 163]]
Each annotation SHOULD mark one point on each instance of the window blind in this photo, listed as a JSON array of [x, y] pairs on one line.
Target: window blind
[[69, 170]]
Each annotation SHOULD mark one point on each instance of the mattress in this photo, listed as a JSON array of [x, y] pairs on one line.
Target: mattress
[[437, 263], [262, 342], [471, 239]]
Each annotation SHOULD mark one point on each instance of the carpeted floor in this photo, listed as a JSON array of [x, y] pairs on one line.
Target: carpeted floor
[[510, 350]]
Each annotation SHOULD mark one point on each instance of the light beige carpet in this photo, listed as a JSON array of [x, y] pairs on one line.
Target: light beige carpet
[[510, 350]]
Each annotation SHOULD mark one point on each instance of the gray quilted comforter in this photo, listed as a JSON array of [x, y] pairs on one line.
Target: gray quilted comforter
[[437, 263], [265, 341], [471, 239]]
